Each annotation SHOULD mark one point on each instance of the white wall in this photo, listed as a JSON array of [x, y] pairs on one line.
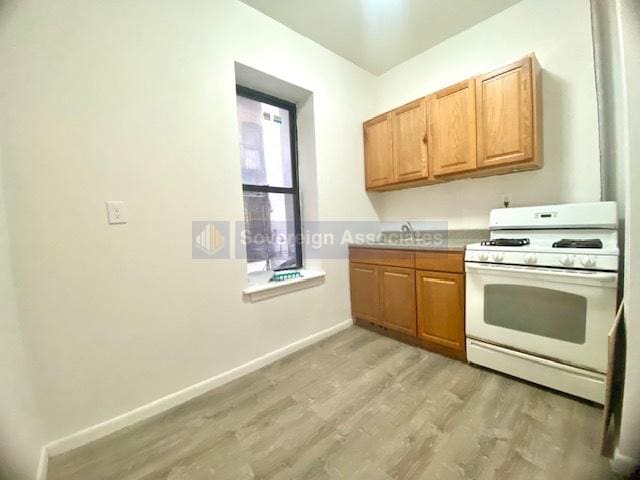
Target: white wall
[[610, 102], [21, 436], [628, 451], [135, 101], [559, 33]]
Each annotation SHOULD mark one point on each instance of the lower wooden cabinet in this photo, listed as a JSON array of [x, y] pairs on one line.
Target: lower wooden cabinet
[[397, 286], [414, 296], [440, 298], [365, 292]]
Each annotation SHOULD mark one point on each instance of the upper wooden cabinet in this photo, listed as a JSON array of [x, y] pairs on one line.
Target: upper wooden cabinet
[[452, 129], [409, 129], [506, 103], [378, 151], [486, 125]]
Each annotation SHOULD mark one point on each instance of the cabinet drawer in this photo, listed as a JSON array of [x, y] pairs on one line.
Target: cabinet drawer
[[440, 261], [376, 256]]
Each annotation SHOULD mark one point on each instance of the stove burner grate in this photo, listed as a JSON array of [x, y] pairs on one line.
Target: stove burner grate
[[506, 242], [568, 243]]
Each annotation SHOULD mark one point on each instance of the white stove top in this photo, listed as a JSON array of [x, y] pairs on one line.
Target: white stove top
[[534, 248], [544, 226], [535, 255]]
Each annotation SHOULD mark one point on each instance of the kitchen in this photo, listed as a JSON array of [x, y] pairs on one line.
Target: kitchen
[[342, 245]]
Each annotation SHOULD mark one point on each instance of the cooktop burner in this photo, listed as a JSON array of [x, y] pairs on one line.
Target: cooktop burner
[[506, 242], [567, 243]]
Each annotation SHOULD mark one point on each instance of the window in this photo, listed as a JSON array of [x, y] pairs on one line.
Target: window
[[268, 154]]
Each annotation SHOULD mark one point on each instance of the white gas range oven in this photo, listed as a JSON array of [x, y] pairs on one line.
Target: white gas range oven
[[541, 295]]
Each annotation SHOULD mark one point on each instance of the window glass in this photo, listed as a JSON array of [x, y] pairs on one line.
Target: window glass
[[269, 183], [265, 143], [270, 231]]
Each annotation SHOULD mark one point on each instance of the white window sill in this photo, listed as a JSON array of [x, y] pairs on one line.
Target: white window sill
[[260, 288]]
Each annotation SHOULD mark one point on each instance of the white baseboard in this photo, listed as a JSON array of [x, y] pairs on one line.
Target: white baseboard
[[623, 464], [160, 405], [43, 464]]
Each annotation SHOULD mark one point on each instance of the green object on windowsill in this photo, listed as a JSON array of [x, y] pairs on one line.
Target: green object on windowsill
[[281, 276]]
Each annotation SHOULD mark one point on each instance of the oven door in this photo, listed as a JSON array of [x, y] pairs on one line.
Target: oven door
[[563, 315]]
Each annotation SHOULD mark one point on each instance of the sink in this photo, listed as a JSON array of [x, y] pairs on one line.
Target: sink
[[405, 243]]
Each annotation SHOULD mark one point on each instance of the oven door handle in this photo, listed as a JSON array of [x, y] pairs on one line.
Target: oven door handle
[[603, 277]]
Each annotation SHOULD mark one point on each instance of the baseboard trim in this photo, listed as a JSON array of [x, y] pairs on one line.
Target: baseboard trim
[[623, 464], [43, 464], [160, 405]]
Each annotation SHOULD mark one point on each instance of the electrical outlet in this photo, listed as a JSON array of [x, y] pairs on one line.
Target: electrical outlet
[[116, 212], [506, 200]]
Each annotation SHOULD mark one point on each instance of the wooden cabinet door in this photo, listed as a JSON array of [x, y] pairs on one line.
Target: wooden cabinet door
[[397, 294], [452, 129], [505, 115], [378, 154], [440, 299], [410, 142], [365, 292]]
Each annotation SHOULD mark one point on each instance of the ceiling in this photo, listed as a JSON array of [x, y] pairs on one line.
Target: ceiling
[[379, 34]]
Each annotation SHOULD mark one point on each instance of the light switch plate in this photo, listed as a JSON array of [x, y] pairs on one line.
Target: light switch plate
[[116, 212]]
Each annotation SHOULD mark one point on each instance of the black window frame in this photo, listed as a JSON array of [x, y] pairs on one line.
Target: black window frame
[[294, 190]]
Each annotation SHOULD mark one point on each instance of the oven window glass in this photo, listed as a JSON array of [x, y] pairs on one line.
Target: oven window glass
[[539, 311]]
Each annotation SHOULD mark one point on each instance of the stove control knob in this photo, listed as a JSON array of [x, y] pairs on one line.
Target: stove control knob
[[497, 257], [530, 259], [588, 261], [567, 260], [483, 256]]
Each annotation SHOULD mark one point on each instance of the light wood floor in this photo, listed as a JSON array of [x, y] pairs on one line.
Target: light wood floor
[[356, 406]]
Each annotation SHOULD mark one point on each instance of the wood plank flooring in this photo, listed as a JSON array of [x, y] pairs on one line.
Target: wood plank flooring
[[356, 406]]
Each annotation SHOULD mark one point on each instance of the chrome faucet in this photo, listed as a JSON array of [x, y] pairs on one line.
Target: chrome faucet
[[408, 228]]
